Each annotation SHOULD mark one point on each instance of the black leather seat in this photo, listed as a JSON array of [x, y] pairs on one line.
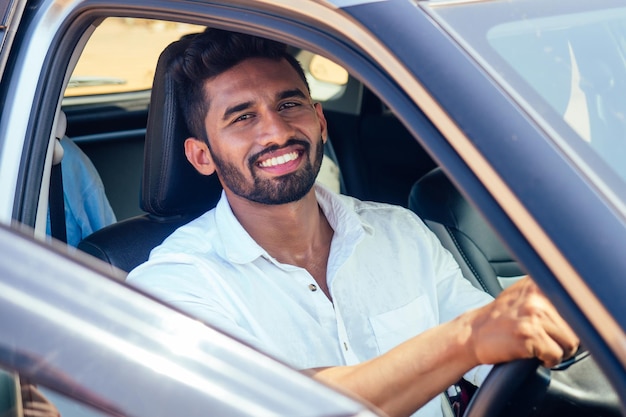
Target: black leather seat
[[172, 192], [463, 231]]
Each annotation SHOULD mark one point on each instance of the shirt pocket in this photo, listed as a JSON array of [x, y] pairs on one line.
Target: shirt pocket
[[396, 326]]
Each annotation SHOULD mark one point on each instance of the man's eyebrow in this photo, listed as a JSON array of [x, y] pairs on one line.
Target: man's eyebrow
[[296, 92], [235, 109]]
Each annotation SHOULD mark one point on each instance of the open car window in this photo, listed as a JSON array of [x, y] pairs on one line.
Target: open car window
[[114, 73], [122, 53]]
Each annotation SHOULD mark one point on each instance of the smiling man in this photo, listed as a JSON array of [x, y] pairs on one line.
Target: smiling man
[[359, 293]]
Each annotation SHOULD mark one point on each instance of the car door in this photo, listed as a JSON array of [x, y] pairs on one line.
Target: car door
[[79, 343]]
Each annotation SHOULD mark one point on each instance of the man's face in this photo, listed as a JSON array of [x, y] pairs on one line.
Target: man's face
[[266, 137]]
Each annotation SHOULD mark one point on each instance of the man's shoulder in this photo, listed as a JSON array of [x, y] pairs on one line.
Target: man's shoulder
[[195, 237], [389, 218], [375, 209], [179, 252], [355, 204]]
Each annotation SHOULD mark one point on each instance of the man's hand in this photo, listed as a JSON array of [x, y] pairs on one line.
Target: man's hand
[[521, 323]]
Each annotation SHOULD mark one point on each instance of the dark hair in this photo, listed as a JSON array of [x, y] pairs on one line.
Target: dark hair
[[210, 54]]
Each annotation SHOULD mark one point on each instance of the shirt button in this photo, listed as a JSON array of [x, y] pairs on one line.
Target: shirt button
[[313, 287]]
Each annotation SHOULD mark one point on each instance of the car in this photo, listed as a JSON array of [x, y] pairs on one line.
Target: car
[[500, 122]]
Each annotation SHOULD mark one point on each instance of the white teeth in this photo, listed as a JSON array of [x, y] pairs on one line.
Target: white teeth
[[279, 160]]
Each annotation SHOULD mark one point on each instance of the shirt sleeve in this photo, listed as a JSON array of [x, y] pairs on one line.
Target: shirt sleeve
[[455, 296]]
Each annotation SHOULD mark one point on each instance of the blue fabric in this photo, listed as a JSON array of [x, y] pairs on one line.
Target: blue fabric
[[87, 208]]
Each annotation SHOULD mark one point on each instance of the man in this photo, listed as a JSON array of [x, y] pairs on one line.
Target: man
[[361, 294]]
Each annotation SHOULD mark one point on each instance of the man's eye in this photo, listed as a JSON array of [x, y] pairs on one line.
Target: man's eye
[[289, 105], [242, 117]]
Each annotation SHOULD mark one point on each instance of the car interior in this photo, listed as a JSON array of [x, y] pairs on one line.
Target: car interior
[[379, 160], [172, 192]]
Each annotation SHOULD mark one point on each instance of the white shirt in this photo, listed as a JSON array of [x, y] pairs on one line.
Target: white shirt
[[388, 275]]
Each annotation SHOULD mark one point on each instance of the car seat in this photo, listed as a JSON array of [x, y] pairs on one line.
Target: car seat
[[483, 259], [172, 192]]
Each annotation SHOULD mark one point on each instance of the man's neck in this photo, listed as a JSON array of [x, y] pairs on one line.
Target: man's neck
[[288, 232], [296, 233]]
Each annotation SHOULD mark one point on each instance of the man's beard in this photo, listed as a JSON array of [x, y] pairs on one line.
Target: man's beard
[[272, 191]]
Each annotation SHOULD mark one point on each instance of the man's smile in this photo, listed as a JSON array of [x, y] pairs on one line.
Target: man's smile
[[279, 160], [283, 160]]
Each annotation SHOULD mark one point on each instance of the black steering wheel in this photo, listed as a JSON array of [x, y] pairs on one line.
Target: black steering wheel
[[575, 387]]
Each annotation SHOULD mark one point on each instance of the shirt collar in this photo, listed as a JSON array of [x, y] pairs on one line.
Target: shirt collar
[[350, 228], [340, 211], [239, 247]]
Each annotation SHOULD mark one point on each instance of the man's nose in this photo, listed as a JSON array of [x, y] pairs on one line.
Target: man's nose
[[274, 129]]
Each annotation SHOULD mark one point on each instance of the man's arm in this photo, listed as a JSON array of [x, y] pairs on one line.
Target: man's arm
[[519, 323]]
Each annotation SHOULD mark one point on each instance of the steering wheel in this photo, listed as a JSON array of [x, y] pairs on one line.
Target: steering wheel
[[575, 387]]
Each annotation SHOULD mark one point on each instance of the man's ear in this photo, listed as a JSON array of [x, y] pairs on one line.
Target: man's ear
[[322, 121], [198, 154]]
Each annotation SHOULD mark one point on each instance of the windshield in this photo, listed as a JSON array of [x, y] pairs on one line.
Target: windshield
[[563, 60]]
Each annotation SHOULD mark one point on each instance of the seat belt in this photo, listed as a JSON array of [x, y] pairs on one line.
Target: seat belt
[[57, 205]]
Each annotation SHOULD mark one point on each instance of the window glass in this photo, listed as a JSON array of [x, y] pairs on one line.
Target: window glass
[[567, 64], [584, 83], [121, 55]]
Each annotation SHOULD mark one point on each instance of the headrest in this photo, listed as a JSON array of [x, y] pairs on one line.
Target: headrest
[[61, 126], [171, 185]]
